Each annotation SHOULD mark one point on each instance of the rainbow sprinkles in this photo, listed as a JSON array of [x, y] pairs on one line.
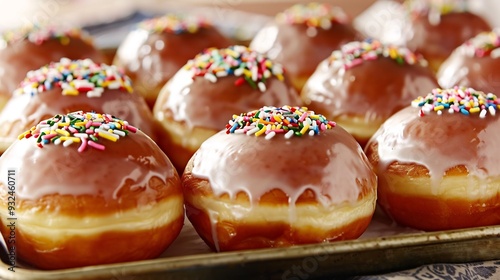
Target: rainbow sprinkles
[[38, 34], [75, 77], [85, 129], [251, 67], [357, 52], [287, 120], [172, 23], [466, 101], [483, 45], [313, 15]]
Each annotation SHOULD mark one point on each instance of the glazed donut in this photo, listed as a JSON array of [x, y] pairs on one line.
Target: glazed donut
[[436, 161], [159, 47], [438, 27], [89, 189], [302, 36], [200, 98], [474, 64], [67, 86], [364, 83], [32, 47], [244, 192]]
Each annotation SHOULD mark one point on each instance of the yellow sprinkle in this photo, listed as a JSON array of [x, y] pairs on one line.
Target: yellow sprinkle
[[22, 135], [277, 118], [260, 132], [268, 64], [63, 132], [278, 126], [107, 136], [314, 117], [247, 73], [62, 124], [70, 91], [81, 123], [304, 129], [474, 110], [280, 77], [74, 139], [231, 53], [438, 108]]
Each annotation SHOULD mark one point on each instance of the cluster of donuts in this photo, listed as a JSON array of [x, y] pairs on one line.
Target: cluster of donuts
[[294, 139]]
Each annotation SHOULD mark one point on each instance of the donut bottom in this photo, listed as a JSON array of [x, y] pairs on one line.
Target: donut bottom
[[227, 225], [359, 126], [71, 241], [458, 201], [179, 142]]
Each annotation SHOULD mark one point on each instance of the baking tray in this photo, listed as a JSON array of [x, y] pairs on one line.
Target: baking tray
[[384, 247]]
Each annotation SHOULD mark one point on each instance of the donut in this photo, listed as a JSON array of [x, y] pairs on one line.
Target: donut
[[474, 64], [103, 194], [206, 92], [436, 28], [243, 192], [436, 161], [362, 84], [34, 46], [72, 85], [159, 47], [302, 36]]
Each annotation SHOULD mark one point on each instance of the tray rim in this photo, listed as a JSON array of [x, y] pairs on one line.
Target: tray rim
[[214, 259]]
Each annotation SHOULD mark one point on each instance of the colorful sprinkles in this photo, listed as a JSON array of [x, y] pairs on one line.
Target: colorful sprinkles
[[435, 7], [173, 23], [313, 15], [466, 101], [250, 66], [39, 34], [85, 129], [355, 53], [75, 77], [269, 121], [484, 44]]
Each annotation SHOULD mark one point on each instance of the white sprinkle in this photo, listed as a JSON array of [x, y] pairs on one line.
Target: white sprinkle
[[238, 72], [57, 141], [492, 110], [119, 132], [311, 132], [105, 126], [270, 135], [253, 131], [451, 111], [239, 131], [114, 85], [221, 74], [67, 142], [81, 135], [96, 92], [255, 73], [262, 86], [439, 112], [289, 134], [483, 113], [211, 77]]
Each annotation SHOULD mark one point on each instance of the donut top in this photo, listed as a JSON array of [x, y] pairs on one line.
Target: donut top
[[38, 34], [330, 163], [484, 44], [172, 23], [435, 7], [287, 120], [88, 130], [466, 101], [75, 77], [250, 66], [313, 15], [357, 52]]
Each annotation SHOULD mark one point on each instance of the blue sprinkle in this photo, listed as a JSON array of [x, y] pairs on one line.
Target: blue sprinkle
[[463, 111], [235, 125]]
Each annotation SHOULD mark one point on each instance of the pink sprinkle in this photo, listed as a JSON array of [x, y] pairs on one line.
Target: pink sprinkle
[[322, 127], [95, 145], [49, 136], [83, 146], [303, 117], [89, 131], [72, 129], [96, 123], [131, 128], [88, 124]]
